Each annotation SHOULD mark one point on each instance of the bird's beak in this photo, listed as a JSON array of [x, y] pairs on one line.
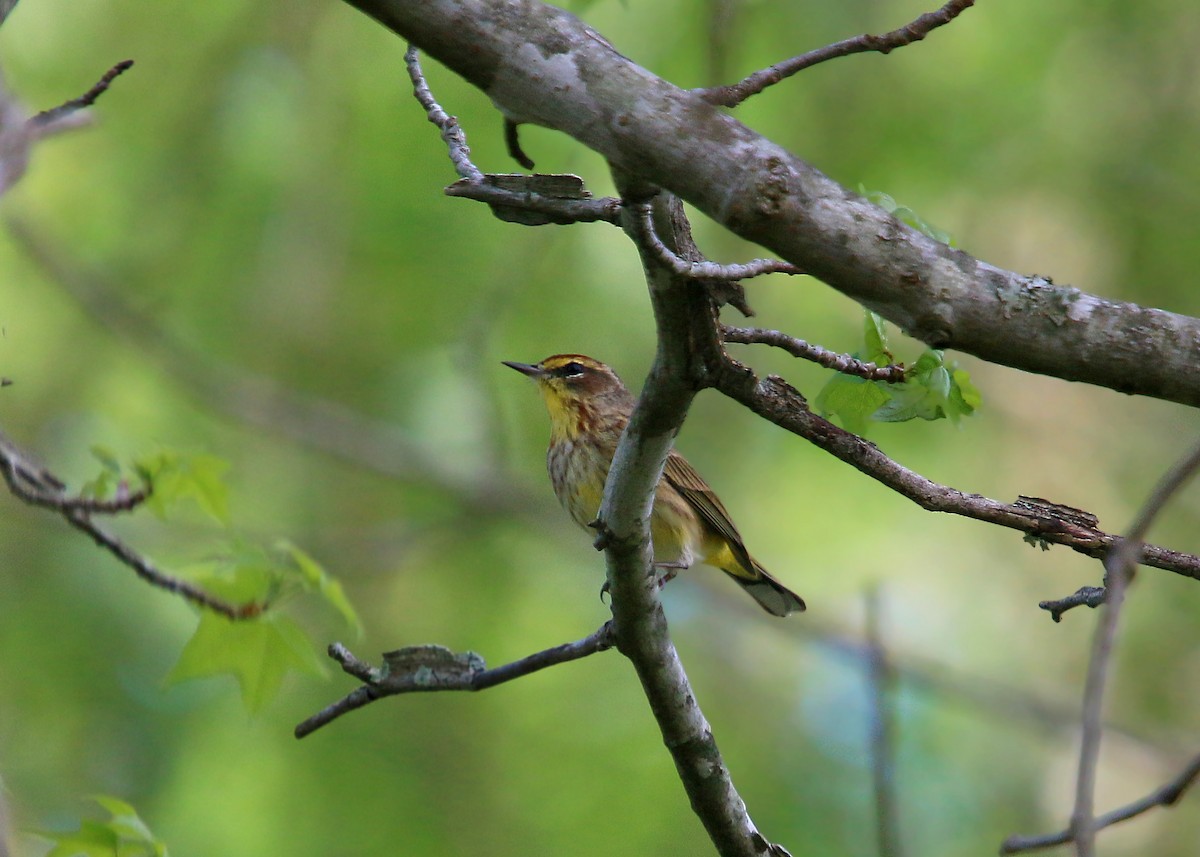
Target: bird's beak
[[525, 368]]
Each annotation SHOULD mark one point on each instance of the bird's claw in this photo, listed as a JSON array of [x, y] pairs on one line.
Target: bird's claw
[[603, 534]]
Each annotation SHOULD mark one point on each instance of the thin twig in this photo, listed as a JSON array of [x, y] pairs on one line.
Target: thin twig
[[1165, 796], [54, 115], [914, 31], [527, 202], [37, 486], [1085, 596], [703, 270], [512, 142], [778, 402], [452, 134], [432, 668], [844, 363], [882, 733], [1119, 567]]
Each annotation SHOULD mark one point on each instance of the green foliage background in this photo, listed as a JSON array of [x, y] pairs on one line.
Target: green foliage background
[[265, 197]]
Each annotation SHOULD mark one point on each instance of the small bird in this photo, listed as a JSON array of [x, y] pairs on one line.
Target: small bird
[[589, 408]]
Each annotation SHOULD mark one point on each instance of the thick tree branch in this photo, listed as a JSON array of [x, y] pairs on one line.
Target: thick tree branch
[[423, 669], [542, 65]]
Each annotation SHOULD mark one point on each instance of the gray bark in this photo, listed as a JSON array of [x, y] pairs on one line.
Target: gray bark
[[542, 65]]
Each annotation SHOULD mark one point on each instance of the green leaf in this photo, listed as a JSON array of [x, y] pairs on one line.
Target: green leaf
[[316, 579], [852, 400], [123, 835], [909, 401], [177, 476], [967, 392], [875, 339], [932, 391], [906, 215], [110, 475], [258, 653], [244, 574]]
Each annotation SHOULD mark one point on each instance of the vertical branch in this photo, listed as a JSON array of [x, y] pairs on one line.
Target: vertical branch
[[1119, 567], [623, 525], [882, 732]]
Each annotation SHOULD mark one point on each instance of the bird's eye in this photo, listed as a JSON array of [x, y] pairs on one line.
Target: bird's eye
[[572, 370]]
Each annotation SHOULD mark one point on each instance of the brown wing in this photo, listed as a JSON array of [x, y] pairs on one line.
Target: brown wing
[[691, 486]]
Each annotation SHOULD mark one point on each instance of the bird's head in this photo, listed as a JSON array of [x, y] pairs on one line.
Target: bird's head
[[578, 392]]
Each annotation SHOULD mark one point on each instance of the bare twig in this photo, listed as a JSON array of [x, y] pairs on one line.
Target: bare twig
[[52, 117], [844, 363], [1085, 596], [512, 142], [778, 402], [703, 270], [419, 669], [1119, 567], [452, 134], [533, 202], [914, 31], [18, 131], [1165, 796], [37, 486], [882, 734]]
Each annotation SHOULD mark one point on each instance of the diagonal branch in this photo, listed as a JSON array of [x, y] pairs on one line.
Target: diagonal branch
[[914, 31], [1165, 796], [843, 363], [419, 669], [45, 121], [37, 486], [452, 133], [1047, 523]]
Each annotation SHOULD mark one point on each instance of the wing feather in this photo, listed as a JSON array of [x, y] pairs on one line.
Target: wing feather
[[681, 476]]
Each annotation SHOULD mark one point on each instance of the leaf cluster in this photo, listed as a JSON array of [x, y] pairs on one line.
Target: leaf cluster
[[933, 388]]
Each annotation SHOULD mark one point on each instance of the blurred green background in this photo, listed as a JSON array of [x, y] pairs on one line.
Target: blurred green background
[[260, 198]]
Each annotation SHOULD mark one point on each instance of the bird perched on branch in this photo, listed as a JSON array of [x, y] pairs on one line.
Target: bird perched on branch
[[589, 408]]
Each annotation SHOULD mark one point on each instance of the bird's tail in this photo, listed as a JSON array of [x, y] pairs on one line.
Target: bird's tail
[[772, 595]]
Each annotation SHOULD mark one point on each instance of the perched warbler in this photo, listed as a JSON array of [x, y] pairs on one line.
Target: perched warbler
[[589, 408]]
